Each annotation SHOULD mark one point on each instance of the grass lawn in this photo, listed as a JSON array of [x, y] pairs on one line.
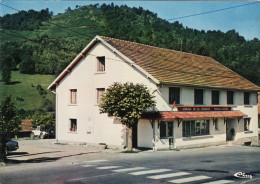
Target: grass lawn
[[22, 87]]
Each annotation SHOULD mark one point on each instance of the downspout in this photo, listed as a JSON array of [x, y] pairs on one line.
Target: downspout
[[56, 116], [153, 122]]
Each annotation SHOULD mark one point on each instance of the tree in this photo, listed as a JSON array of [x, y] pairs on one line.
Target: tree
[[42, 117], [9, 125], [6, 74], [6, 65], [126, 101]]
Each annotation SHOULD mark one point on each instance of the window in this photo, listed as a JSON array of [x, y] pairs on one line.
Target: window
[[174, 95], [230, 97], [198, 96], [193, 128], [166, 130], [101, 64], [215, 97], [73, 96], [73, 125], [246, 98], [100, 93], [246, 124]]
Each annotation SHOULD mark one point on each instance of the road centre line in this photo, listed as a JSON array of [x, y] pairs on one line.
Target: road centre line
[[97, 176], [109, 167], [190, 179], [169, 175], [149, 171], [219, 182], [129, 169]]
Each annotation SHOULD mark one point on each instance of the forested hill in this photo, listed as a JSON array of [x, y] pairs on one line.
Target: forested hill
[[53, 41]]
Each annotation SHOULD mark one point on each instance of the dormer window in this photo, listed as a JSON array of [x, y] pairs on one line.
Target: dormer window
[[101, 64]]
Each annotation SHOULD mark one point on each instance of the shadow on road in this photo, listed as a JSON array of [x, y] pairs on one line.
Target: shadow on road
[[44, 159], [22, 154]]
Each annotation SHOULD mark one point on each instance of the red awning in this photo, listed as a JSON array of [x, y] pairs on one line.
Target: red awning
[[169, 116], [197, 115]]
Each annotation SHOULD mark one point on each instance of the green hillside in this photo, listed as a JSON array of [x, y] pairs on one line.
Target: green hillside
[[23, 90], [40, 43]]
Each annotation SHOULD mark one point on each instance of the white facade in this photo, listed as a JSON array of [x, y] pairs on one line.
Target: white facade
[[93, 127], [216, 136]]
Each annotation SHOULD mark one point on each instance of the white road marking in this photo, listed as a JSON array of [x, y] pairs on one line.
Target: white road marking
[[109, 167], [91, 161], [220, 182], [190, 179], [129, 169], [88, 165], [77, 179], [169, 175], [150, 171]]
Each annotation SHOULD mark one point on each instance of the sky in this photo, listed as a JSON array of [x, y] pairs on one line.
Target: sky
[[243, 18]]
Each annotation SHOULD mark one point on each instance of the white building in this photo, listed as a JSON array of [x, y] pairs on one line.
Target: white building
[[213, 104]]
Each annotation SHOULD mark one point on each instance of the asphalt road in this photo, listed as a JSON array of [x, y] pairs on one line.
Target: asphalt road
[[214, 165]]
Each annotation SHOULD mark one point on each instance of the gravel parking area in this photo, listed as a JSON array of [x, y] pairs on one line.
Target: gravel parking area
[[44, 150]]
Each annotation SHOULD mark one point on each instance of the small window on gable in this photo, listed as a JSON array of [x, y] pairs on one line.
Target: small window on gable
[[100, 93], [215, 97], [101, 64], [230, 97], [73, 96], [246, 98], [73, 125], [174, 95]]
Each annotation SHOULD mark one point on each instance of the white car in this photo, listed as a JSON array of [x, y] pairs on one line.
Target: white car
[[39, 132]]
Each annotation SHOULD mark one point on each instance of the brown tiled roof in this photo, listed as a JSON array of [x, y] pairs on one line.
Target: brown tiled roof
[[26, 125], [180, 68]]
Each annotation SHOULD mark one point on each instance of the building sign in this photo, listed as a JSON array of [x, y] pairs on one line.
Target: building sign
[[204, 108]]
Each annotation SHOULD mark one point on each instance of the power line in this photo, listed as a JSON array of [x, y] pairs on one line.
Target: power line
[[10, 7], [156, 68], [47, 21], [213, 11], [18, 35], [25, 38]]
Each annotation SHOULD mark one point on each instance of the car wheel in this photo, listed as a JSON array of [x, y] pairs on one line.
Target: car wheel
[[41, 136], [32, 135]]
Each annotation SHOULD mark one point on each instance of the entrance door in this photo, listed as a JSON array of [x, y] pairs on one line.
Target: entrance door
[[134, 134], [230, 130]]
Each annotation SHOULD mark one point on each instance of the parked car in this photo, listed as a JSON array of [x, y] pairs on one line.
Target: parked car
[[11, 146], [43, 132]]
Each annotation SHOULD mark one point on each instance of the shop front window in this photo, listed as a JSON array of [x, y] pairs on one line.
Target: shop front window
[[194, 128]]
